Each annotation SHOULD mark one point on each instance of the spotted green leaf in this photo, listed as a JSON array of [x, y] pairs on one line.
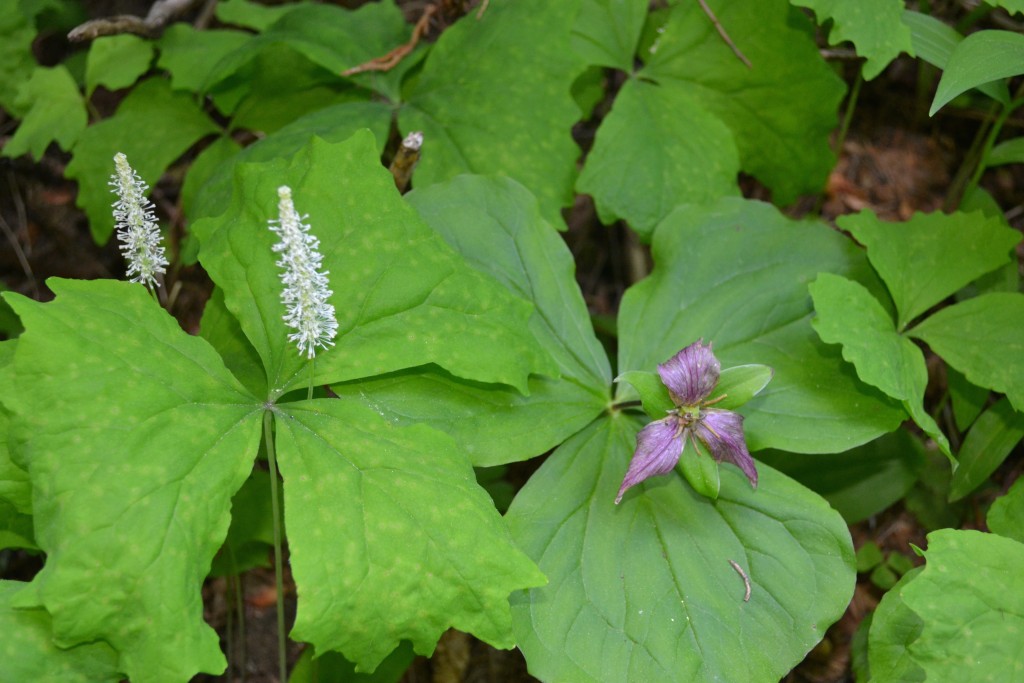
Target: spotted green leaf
[[496, 225], [494, 96], [390, 536], [653, 596], [736, 274], [403, 298], [607, 31], [29, 654], [136, 436]]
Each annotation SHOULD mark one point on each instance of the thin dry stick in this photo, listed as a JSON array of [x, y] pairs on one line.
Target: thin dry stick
[[391, 59], [405, 159], [721, 32], [746, 581], [159, 15], [483, 8]]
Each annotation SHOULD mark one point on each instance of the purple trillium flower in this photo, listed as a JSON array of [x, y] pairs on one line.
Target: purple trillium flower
[[690, 376]]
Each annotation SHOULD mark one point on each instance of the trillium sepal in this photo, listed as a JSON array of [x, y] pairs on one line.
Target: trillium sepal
[[691, 380]]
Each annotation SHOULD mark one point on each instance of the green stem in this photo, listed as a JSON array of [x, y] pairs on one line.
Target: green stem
[[851, 105], [309, 394], [275, 507], [990, 142]]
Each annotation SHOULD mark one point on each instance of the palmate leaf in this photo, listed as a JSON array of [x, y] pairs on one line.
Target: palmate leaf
[[116, 62], [496, 225], [28, 652], [726, 106], [873, 26], [494, 96], [135, 436], [645, 591], [736, 275], [390, 536], [55, 112], [403, 298]]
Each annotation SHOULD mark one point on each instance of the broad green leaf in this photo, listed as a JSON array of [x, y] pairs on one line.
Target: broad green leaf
[[252, 14], [606, 32], [334, 38], [221, 153], [981, 58], [983, 338], [15, 487], [149, 107], [893, 628], [331, 667], [116, 62], [496, 225], [970, 598], [869, 556], [739, 384], [990, 440], [54, 112], [848, 314], [17, 31], [736, 274], [672, 149], [29, 654], [862, 481], [494, 98], [334, 124], [644, 590], [136, 438], [1006, 516], [947, 252], [222, 331], [389, 535], [1006, 152], [653, 393], [873, 26], [16, 528], [934, 42], [403, 298], [1011, 6], [785, 147], [967, 400], [189, 54]]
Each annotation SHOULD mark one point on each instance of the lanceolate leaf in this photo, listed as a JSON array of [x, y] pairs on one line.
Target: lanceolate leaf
[[848, 314], [494, 97], [947, 253], [981, 58], [873, 26], [136, 436], [150, 106], [390, 536], [736, 274], [785, 147], [403, 297], [993, 435], [983, 338], [28, 653], [645, 591], [496, 225]]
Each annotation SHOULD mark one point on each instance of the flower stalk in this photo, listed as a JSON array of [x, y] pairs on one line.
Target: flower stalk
[[136, 226]]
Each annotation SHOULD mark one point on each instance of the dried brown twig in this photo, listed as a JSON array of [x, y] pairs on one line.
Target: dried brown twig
[[391, 59], [721, 31], [159, 15]]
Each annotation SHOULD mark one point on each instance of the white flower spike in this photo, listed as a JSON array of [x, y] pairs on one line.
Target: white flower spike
[[305, 288], [136, 225]]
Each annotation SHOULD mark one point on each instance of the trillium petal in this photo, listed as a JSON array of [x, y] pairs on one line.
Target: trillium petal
[[691, 374], [722, 433], [658, 447]]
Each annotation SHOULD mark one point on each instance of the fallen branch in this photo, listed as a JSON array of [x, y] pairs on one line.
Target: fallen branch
[[159, 15], [725, 36]]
